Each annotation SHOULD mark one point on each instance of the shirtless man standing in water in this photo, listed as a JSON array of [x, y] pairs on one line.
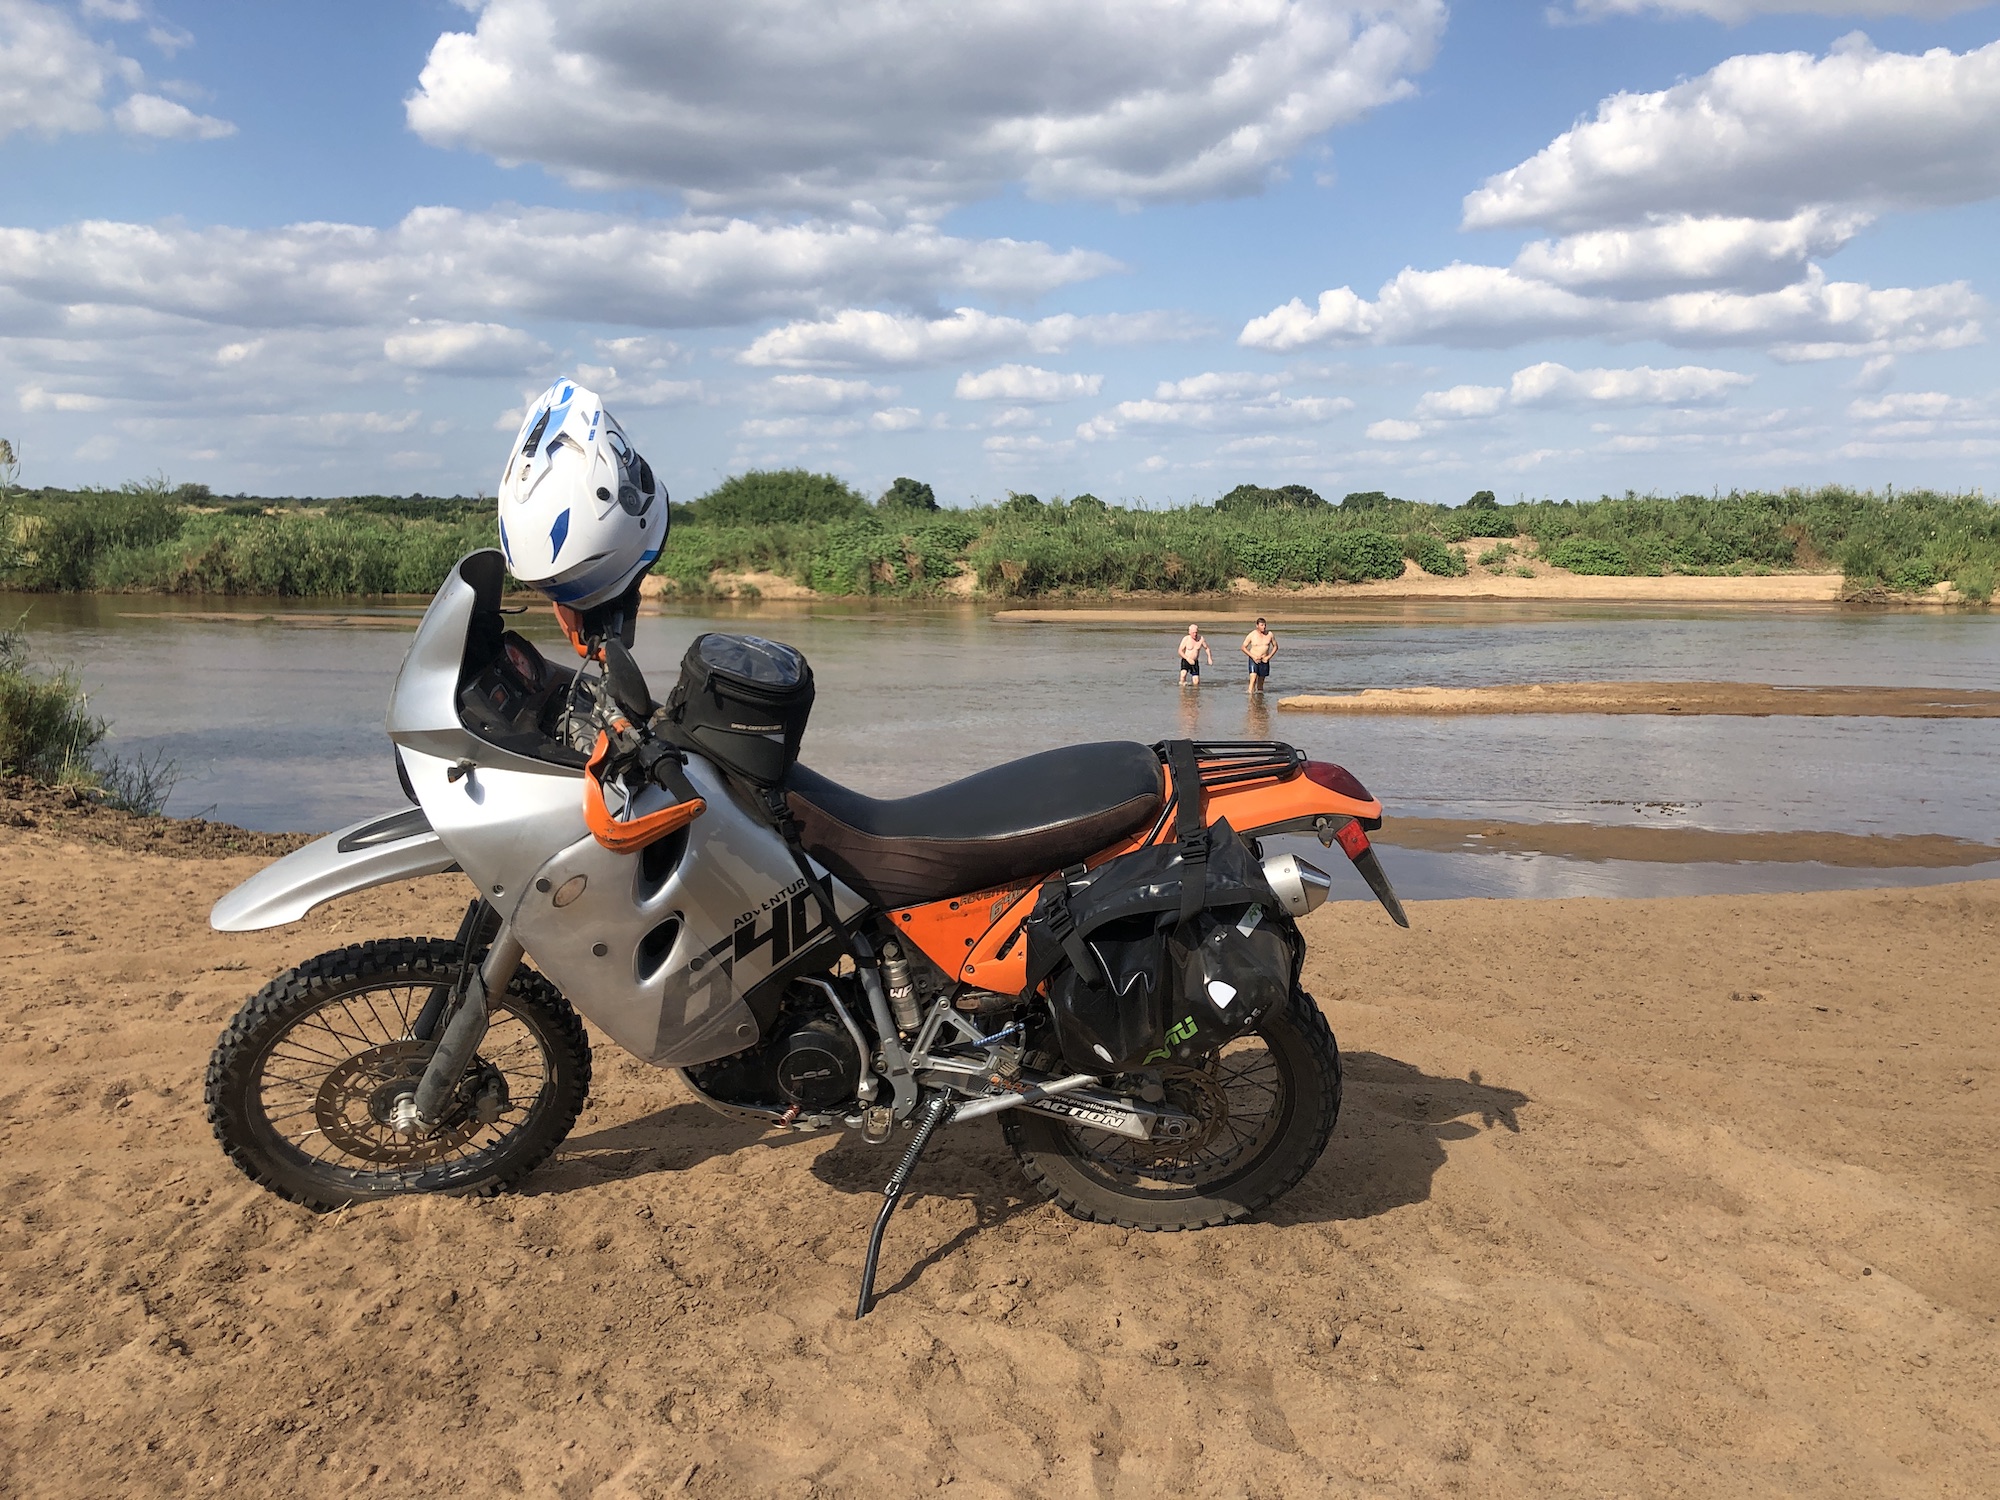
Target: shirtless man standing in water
[[1191, 648], [1259, 646]]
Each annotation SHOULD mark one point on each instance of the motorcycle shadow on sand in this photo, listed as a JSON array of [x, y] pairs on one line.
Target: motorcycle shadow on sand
[[1396, 1123]]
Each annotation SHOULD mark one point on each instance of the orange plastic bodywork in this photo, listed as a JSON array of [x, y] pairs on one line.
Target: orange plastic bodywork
[[572, 626], [977, 940], [628, 836]]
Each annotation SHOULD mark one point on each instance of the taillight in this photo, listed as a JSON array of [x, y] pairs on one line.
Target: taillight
[[1336, 779]]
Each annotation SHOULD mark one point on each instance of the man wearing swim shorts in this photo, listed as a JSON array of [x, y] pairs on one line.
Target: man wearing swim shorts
[[1259, 646], [1189, 656]]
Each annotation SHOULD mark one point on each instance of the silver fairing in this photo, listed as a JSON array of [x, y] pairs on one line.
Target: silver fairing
[[659, 949]]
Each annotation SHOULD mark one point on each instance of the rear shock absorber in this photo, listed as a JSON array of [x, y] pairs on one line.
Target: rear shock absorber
[[902, 988]]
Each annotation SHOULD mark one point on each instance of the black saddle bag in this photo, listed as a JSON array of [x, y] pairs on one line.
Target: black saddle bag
[[743, 702], [1163, 954]]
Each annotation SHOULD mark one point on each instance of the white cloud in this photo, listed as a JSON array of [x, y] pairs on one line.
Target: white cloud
[[1766, 136], [463, 348], [855, 107], [800, 427], [1690, 254], [449, 263], [1488, 306], [1553, 385], [1217, 385], [817, 393], [862, 337], [54, 79], [1254, 414], [162, 119], [1930, 407], [1025, 383], [52, 76], [896, 419], [1461, 401], [1395, 430], [36, 398], [1026, 447], [1735, 11], [1550, 384]]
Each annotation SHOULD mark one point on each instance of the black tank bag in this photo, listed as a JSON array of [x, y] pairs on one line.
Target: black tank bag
[[1163, 954], [743, 702]]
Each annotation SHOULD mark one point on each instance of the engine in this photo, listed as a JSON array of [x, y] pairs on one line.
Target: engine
[[808, 1059]]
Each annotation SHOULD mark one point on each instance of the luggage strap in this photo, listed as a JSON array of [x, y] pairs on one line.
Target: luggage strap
[[1060, 923], [1188, 826]]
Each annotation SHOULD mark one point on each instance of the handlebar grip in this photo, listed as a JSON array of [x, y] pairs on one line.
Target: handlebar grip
[[628, 836]]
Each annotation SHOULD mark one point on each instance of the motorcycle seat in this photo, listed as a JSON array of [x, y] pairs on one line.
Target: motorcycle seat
[[997, 827]]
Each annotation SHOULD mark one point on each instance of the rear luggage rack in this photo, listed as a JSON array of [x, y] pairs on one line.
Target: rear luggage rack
[[1232, 763]]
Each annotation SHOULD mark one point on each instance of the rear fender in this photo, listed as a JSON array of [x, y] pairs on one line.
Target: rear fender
[[1298, 804], [372, 852]]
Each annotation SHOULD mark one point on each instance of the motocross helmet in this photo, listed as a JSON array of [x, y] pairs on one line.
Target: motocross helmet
[[582, 515]]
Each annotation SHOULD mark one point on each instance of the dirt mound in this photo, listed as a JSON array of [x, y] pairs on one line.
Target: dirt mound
[[1627, 1198], [72, 812]]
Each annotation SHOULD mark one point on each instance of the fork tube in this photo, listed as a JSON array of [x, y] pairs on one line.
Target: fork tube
[[466, 1029]]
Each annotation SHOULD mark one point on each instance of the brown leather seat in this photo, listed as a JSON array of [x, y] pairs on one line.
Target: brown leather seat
[[1027, 818]]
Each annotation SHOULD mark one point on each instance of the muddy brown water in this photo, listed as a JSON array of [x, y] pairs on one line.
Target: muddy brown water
[[273, 710]]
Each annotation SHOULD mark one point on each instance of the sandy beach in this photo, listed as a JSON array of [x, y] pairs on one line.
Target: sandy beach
[[1628, 1198]]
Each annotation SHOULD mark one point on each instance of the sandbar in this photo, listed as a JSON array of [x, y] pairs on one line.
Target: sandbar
[[1751, 699], [1668, 845]]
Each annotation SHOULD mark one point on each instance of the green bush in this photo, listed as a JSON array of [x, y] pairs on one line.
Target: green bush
[[764, 496], [46, 728], [1579, 554], [1357, 556], [64, 535], [1433, 556], [1367, 500], [1497, 556]]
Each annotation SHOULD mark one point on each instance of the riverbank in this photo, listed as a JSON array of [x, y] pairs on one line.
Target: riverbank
[[780, 533], [1627, 1197]]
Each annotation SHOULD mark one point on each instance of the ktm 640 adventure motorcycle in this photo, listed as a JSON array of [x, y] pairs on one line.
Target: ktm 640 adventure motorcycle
[[1088, 943]]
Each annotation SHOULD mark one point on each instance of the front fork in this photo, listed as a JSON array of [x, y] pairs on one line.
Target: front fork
[[464, 1029]]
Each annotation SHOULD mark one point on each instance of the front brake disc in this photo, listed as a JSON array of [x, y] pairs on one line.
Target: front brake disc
[[356, 1103]]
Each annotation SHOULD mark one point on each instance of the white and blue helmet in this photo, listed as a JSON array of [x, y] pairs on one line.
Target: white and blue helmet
[[581, 513]]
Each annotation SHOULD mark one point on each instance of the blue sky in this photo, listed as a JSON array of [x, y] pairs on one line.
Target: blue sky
[[1150, 248]]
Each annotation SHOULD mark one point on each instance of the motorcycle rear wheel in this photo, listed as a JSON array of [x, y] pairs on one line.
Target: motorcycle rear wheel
[[300, 1086], [1268, 1101]]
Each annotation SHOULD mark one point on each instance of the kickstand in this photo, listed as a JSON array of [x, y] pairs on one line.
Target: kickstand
[[935, 1113]]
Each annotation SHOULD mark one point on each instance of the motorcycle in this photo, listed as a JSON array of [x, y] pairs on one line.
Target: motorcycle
[[805, 956]]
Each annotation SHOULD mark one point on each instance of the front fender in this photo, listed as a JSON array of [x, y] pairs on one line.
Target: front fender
[[373, 852]]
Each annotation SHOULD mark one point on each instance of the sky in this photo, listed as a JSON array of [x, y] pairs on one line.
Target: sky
[[1148, 249]]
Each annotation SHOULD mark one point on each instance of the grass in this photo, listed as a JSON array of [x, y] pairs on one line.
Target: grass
[[49, 735], [811, 528]]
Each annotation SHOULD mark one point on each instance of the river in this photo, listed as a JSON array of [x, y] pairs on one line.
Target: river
[[273, 711]]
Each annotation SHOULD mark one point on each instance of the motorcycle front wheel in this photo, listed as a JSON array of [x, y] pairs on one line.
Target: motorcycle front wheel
[[302, 1085], [1265, 1106]]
